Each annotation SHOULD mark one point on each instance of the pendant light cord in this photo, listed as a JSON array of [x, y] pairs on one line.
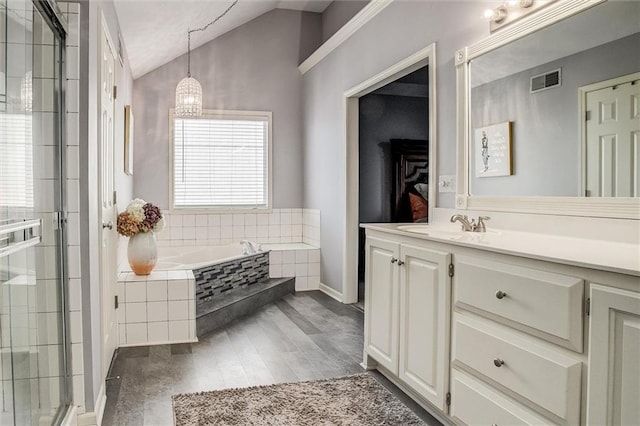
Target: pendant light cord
[[202, 29]]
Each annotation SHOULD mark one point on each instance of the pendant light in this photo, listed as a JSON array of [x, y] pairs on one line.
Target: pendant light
[[189, 90]]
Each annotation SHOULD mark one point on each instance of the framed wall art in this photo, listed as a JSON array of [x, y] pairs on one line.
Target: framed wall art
[[128, 140], [492, 146]]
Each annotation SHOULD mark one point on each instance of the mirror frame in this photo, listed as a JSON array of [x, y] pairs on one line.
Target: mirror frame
[[607, 207]]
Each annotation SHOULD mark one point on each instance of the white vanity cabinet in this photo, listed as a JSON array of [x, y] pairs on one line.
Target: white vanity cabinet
[[613, 396], [407, 313], [490, 335]]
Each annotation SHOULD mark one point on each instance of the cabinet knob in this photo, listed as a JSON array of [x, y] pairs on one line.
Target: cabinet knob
[[400, 262], [394, 260], [500, 294], [498, 362]]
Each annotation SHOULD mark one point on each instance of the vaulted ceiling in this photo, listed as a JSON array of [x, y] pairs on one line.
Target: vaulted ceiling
[[154, 32]]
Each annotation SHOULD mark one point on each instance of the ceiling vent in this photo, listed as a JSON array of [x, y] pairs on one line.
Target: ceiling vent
[[546, 81]]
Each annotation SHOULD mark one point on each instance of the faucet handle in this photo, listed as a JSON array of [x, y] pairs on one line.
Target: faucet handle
[[480, 226]]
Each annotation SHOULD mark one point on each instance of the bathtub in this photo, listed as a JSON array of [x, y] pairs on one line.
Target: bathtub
[[175, 258], [216, 269]]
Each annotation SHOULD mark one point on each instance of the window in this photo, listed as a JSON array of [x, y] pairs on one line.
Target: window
[[221, 160]]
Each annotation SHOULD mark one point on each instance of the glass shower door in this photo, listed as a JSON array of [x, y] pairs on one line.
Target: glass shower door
[[33, 346]]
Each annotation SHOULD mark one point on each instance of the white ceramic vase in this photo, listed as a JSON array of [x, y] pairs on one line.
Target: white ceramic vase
[[142, 253]]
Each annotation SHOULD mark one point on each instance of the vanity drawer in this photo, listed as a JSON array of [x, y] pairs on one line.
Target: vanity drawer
[[545, 304], [475, 403], [540, 374]]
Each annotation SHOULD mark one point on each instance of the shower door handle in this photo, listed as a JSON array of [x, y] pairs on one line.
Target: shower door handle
[[108, 225]]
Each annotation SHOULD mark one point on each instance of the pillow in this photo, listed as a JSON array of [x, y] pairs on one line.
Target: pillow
[[423, 189], [418, 207]]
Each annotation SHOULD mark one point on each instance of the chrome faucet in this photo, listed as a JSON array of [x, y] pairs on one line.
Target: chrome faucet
[[471, 226], [249, 247]]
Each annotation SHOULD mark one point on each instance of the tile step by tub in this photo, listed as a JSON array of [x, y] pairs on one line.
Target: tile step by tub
[[238, 302]]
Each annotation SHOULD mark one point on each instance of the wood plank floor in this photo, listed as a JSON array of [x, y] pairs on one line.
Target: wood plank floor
[[306, 336]]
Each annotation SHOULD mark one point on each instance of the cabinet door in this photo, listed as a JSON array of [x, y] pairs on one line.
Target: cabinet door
[[613, 393], [424, 321], [381, 302]]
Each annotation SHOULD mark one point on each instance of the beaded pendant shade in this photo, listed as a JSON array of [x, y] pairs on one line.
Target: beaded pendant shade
[[188, 98], [189, 90]]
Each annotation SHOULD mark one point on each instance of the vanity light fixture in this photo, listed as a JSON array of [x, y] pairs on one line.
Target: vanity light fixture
[[189, 90], [511, 11]]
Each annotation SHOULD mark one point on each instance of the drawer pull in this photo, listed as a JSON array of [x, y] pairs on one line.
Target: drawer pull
[[400, 262], [501, 294], [498, 362], [394, 260]]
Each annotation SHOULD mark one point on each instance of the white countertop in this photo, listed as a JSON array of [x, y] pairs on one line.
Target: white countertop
[[609, 256]]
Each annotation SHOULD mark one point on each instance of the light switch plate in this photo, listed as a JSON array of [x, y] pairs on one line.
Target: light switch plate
[[447, 183]]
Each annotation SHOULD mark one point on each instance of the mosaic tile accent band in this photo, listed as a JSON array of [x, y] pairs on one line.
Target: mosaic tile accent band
[[219, 278]]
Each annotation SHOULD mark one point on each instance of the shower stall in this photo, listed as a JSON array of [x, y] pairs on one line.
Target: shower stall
[[34, 349]]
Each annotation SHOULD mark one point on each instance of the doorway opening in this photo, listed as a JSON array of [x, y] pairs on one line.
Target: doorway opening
[[390, 138], [393, 156]]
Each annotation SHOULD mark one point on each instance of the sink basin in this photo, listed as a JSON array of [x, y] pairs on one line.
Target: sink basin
[[418, 229], [429, 230], [457, 235]]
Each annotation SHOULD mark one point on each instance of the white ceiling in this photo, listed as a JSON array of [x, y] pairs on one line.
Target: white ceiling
[[154, 32]]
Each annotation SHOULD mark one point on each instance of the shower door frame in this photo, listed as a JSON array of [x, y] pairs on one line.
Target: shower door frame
[[52, 15]]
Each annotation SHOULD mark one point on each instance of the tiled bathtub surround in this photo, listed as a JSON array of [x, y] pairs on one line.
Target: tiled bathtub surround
[[277, 226], [301, 261], [311, 227], [214, 280], [156, 309]]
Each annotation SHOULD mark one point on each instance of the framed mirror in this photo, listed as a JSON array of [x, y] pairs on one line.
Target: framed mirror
[[549, 113]]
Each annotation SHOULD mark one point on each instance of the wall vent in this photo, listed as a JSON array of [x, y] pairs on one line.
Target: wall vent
[[546, 81]]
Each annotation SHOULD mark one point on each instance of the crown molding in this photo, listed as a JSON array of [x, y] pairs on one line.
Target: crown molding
[[358, 21]]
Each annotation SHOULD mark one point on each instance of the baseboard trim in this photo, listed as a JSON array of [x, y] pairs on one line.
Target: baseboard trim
[[87, 419], [94, 418], [71, 418], [335, 294], [168, 342]]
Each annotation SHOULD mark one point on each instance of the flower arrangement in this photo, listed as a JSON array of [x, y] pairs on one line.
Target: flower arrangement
[[140, 216]]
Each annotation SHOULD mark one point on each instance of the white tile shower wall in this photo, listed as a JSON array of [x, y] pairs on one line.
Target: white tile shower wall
[[277, 226], [156, 309], [301, 263]]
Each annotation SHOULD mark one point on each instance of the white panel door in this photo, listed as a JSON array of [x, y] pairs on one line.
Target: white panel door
[[381, 302], [424, 321], [109, 238], [613, 393], [613, 140]]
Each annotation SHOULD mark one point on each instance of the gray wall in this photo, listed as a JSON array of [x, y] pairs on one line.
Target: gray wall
[[339, 13], [547, 145], [383, 118], [89, 214], [400, 30], [253, 67]]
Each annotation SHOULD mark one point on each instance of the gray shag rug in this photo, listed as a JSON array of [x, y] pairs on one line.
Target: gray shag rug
[[350, 400]]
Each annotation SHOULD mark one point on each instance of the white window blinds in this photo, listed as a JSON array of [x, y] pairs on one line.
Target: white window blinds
[[16, 162], [221, 161]]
